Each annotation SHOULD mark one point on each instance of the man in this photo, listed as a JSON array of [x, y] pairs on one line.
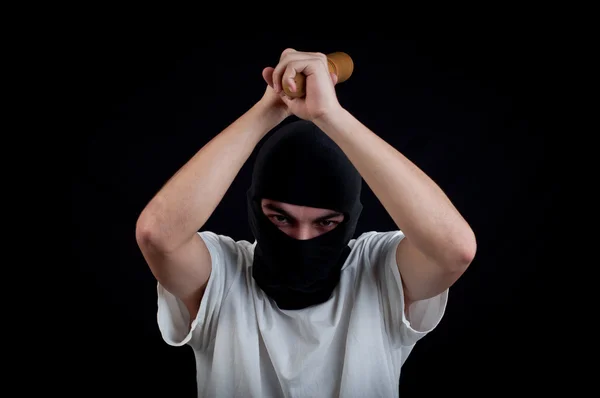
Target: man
[[305, 310]]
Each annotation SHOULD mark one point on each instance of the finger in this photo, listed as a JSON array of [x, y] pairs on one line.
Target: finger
[[289, 55], [306, 66], [286, 52], [279, 68], [267, 74], [290, 73], [287, 100], [334, 78], [277, 75], [303, 66]]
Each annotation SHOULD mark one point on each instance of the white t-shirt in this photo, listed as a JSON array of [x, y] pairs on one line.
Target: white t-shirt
[[353, 345]]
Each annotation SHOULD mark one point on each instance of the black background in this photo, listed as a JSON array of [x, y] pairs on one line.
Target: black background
[[473, 114]]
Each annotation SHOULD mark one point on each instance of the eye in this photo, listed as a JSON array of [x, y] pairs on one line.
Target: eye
[[328, 223], [279, 219]]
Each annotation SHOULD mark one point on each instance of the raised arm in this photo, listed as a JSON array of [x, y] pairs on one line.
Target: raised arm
[[439, 244], [166, 230]]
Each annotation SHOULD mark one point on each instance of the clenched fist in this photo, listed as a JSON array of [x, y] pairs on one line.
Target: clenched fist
[[320, 98]]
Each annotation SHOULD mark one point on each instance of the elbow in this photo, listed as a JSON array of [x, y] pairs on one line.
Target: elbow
[[462, 254], [148, 233], [465, 254], [144, 230]]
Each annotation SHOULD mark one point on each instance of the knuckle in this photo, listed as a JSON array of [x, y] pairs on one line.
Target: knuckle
[[322, 56], [287, 51]]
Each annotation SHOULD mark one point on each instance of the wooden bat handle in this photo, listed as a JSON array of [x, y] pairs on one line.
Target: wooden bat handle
[[339, 63]]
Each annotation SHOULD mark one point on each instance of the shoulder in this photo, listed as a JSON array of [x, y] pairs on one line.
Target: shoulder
[[226, 249], [223, 241], [375, 243], [373, 248]]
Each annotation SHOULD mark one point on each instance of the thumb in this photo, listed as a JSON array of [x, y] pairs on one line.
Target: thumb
[[287, 100], [267, 74]]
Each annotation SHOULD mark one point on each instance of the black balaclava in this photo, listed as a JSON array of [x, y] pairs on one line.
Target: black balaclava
[[300, 165]]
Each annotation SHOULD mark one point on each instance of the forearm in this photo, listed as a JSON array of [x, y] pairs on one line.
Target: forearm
[[189, 198], [415, 202]]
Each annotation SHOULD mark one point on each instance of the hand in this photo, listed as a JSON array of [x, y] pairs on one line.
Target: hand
[[320, 98], [273, 101]]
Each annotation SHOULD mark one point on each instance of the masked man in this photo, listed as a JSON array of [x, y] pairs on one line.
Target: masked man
[[306, 310]]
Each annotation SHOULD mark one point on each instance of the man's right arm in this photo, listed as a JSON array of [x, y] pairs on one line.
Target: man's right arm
[[167, 228]]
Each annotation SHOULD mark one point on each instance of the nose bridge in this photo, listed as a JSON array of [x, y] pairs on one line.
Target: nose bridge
[[305, 231]]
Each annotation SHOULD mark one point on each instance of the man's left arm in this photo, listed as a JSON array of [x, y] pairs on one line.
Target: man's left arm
[[439, 245]]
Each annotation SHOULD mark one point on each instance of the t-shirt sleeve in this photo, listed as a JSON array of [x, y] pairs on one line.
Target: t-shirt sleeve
[[423, 316], [173, 317]]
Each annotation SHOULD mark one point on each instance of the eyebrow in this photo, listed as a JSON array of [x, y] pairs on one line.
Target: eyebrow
[[288, 215]]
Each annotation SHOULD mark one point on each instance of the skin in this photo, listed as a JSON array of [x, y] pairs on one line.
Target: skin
[[301, 222], [438, 246]]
